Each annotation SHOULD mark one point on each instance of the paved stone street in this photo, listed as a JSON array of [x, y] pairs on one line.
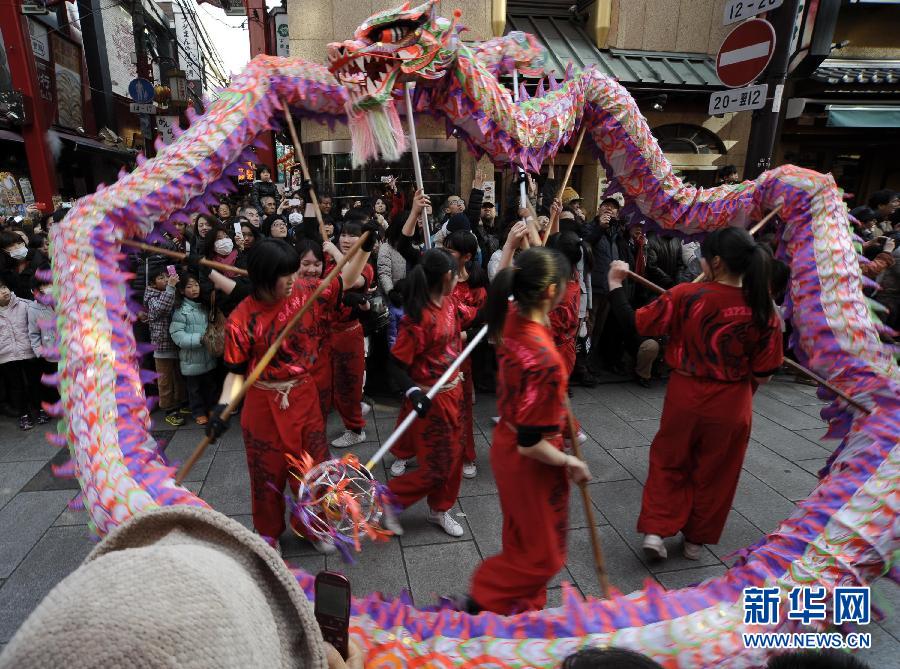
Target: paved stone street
[[42, 541]]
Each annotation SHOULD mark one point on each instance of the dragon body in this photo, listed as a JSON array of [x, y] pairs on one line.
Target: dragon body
[[845, 533]]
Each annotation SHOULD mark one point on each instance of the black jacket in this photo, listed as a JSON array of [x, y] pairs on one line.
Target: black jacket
[[665, 265]]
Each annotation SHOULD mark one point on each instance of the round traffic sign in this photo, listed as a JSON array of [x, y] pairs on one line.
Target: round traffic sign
[[745, 53], [141, 91]]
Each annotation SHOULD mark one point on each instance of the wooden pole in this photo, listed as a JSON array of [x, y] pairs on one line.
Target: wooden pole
[[756, 228], [565, 181], [808, 373], [298, 154], [182, 256], [599, 562], [270, 353], [417, 163]]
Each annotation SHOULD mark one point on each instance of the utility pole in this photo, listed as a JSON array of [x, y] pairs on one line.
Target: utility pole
[[41, 164], [766, 123]]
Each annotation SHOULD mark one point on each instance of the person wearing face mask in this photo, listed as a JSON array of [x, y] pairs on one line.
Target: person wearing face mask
[[19, 369], [20, 262]]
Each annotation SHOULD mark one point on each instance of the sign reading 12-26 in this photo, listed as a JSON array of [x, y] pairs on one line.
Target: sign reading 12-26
[[738, 10]]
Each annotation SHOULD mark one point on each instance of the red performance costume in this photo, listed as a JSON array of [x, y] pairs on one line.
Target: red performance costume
[[696, 457], [427, 349], [281, 414], [564, 323], [348, 360], [475, 298], [534, 496]]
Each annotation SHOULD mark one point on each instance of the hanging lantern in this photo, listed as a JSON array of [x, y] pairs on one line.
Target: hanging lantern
[[162, 96]]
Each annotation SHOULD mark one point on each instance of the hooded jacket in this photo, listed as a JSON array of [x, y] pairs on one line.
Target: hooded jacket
[[189, 322], [15, 344]]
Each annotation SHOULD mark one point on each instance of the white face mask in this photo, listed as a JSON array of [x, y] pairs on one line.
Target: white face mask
[[295, 218], [223, 246], [19, 253]]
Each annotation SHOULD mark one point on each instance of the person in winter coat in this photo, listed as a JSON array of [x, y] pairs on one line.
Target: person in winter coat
[[263, 187], [43, 336], [159, 298], [665, 263], [19, 262], [18, 366], [189, 322]]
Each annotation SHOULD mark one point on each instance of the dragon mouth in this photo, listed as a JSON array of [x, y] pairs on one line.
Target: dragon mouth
[[367, 77]]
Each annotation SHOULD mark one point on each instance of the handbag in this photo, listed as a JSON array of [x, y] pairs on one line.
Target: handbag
[[214, 337]]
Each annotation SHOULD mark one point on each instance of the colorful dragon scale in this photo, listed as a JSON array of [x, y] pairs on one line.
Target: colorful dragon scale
[[846, 532]]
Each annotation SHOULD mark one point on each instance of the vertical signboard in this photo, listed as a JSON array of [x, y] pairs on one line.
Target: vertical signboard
[[67, 70]]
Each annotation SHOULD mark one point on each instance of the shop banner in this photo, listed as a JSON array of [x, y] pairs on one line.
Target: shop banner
[[67, 68]]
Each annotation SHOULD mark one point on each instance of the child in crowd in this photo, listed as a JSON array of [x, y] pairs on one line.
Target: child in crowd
[[44, 338], [18, 366], [159, 298], [198, 367]]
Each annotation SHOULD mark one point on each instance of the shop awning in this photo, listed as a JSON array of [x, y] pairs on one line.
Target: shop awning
[[10, 136], [845, 116], [566, 41], [94, 145]]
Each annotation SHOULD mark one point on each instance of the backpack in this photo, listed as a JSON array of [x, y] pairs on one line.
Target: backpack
[[214, 337]]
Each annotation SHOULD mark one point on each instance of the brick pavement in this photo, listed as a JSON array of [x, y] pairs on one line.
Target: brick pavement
[[42, 541]]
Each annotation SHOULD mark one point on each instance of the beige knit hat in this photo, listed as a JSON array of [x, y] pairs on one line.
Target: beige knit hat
[[174, 587]]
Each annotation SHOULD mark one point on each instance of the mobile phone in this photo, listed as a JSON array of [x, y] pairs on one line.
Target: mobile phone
[[386, 180], [333, 609], [237, 229], [171, 270]]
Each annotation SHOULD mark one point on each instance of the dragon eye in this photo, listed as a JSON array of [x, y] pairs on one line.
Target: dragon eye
[[391, 35]]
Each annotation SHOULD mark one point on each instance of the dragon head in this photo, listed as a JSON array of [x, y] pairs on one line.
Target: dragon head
[[388, 49]]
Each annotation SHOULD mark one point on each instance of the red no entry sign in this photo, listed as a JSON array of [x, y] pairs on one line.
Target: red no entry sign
[[745, 53]]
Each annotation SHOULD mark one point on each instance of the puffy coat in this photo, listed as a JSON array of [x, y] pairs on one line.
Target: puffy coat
[[665, 264], [42, 331], [15, 344], [188, 325], [391, 267]]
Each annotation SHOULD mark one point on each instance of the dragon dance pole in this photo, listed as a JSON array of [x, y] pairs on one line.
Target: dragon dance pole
[[523, 197], [417, 166], [212, 264], [298, 153], [435, 389]]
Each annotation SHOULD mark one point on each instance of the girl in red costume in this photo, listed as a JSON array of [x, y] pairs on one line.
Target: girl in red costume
[[531, 468], [428, 341], [723, 334], [348, 347], [281, 413]]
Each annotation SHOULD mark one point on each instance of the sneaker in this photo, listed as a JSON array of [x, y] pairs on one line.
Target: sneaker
[[42, 417], [582, 437], [495, 419], [446, 522], [174, 419], [469, 470], [692, 551], [642, 382], [25, 423], [365, 408], [349, 438], [184, 411], [325, 547], [201, 420], [399, 467], [390, 522], [654, 548]]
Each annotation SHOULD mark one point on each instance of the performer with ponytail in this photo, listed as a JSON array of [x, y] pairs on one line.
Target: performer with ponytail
[[724, 335], [531, 468], [428, 341], [471, 290], [281, 414]]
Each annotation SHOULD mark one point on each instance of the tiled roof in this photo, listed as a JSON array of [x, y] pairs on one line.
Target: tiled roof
[[870, 72]]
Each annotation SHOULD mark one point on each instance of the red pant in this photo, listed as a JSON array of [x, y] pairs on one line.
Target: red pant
[[534, 498], [321, 373], [271, 433], [435, 441], [696, 458], [466, 421], [348, 364]]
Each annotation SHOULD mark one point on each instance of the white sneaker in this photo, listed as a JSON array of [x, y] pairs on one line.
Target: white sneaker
[[349, 438], [366, 408], [446, 522], [692, 551], [654, 548], [399, 467], [390, 522], [325, 547], [495, 419], [469, 470], [582, 437]]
